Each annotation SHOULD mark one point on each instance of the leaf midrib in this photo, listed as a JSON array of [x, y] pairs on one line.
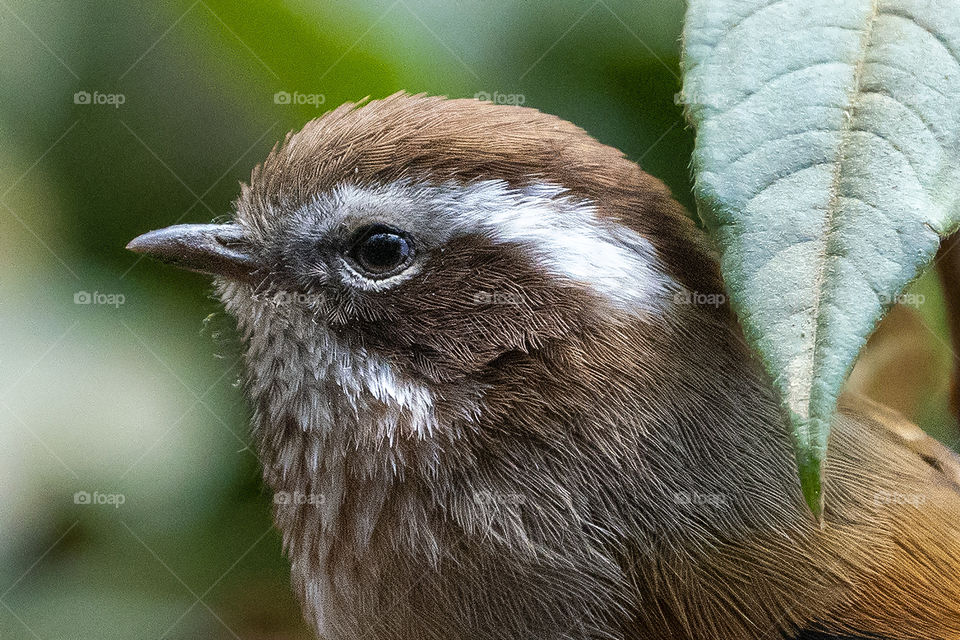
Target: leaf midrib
[[846, 134]]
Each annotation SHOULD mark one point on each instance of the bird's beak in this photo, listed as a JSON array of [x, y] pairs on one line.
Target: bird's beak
[[217, 249]]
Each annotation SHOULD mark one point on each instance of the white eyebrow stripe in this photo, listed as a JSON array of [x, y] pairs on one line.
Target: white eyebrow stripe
[[561, 233], [567, 238]]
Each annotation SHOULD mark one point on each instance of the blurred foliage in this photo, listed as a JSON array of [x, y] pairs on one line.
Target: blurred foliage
[[139, 399]]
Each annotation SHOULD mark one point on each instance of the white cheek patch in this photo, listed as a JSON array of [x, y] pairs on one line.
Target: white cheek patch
[[368, 397], [409, 405]]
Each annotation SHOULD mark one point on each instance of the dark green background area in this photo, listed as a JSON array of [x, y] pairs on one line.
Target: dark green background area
[[140, 399]]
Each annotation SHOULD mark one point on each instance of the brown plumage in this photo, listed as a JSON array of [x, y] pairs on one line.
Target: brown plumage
[[515, 435]]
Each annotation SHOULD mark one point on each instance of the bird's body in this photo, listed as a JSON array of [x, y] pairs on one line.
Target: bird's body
[[500, 396]]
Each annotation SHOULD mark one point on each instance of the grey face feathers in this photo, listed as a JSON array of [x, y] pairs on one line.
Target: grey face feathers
[[488, 412]]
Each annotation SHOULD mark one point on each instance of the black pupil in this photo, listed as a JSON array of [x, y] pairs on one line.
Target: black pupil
[[382, 251]]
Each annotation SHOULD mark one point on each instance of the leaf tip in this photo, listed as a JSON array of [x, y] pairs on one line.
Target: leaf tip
[[810, 468]]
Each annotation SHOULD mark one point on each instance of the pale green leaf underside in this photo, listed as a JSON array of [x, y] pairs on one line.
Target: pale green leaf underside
[[827, 165]]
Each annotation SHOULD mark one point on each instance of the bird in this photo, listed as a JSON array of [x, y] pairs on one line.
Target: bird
[[498, 392]]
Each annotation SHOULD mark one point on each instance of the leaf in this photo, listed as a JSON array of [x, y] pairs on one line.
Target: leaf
[[827, 167]]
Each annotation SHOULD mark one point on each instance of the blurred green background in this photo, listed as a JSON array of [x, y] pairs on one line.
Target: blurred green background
[[118, 377]]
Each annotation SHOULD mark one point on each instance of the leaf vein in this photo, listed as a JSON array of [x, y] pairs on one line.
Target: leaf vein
[[790, 173], [913, 110], [780, 76], [933, 34], [826, 252]]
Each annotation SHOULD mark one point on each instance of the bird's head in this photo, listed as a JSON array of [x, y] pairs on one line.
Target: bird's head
[[405, 254]]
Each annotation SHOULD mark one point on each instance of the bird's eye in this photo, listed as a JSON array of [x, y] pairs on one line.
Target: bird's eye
[[380, 251]]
